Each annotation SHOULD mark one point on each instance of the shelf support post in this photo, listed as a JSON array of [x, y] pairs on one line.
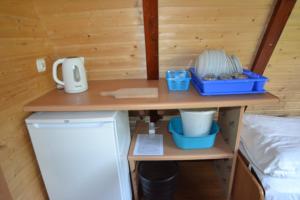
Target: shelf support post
[[230, 121]]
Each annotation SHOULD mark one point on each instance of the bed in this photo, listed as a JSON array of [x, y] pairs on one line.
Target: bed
[[268, 166]]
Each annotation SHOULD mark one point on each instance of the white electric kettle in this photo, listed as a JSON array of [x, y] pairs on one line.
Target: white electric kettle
[[73, 74]]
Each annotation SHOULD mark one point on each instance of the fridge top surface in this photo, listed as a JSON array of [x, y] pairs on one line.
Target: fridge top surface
[[61, 117]]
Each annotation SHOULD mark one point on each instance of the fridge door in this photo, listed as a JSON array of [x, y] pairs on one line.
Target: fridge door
[[78, 160], [125, 178], [123, 143]]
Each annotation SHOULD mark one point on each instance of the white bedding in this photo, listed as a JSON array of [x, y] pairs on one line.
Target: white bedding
[[275, 188], [272, 146]]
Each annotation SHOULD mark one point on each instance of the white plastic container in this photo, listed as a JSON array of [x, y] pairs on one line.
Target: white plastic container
[[197, 122]]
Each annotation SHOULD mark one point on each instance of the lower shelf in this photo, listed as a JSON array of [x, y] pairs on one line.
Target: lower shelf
[[197, 180], [220, 150]]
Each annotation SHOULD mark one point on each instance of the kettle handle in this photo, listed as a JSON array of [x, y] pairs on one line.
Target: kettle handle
[[54, 71]]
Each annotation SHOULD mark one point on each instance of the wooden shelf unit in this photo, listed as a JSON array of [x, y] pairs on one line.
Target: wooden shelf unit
[[224, 152], [231, 109], [221, 150]]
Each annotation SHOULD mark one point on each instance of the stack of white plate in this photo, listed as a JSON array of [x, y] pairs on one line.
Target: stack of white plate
[[217, 62]]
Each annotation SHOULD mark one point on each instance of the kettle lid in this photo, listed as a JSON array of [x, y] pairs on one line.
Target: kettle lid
[[75, 57]]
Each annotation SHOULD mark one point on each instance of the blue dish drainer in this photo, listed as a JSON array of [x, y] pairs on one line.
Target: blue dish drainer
[[254, 84]]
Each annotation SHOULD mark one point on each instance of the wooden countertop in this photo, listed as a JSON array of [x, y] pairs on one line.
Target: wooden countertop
[[91, 100]]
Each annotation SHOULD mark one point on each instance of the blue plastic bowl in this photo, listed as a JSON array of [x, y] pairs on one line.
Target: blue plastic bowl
[[184, 142]]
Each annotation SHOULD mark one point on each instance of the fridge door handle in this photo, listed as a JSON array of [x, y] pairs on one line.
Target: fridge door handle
[[70, 125]]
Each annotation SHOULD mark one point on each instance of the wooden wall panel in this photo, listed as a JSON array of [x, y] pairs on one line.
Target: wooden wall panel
[[189, 27], [109, 34], [284, 71], [22, 40]]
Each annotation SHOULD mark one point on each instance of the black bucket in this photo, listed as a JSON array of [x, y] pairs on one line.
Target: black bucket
[[158, 179]]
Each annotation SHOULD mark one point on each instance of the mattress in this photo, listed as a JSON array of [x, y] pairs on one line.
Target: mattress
[[276, 187]]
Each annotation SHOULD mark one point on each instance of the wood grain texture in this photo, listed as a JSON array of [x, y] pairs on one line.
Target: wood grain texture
[[190, 185], [283, 71], [245, 185], [150, 11], [133, 167], [230, 121], [189, 27], [198, 180], [109, 34], [4, 191], [129, 93], [280, 15], [220, 150], [92, 100], [23, 39]]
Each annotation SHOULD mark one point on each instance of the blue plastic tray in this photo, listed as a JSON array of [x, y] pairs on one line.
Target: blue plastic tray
[[178, 80], [184, 142], [252, 85]]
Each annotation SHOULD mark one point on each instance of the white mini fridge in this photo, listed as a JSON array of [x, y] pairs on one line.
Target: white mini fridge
[[82, 155]]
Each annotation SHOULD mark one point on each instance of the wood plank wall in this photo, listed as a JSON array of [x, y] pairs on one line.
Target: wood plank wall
[[188, 27], [284, 71], [22, 40], [109, 34]]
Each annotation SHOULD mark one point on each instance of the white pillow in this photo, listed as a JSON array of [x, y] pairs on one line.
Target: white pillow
[[273, 143]]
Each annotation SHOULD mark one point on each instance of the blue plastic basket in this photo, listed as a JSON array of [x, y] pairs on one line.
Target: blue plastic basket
[[254, 84], [178, 80], [184, 142]]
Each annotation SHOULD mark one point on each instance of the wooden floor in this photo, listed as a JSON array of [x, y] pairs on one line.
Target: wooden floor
[[198, 181]]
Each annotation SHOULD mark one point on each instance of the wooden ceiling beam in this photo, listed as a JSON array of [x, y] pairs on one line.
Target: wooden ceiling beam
[[150, 10], [280, 15]]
